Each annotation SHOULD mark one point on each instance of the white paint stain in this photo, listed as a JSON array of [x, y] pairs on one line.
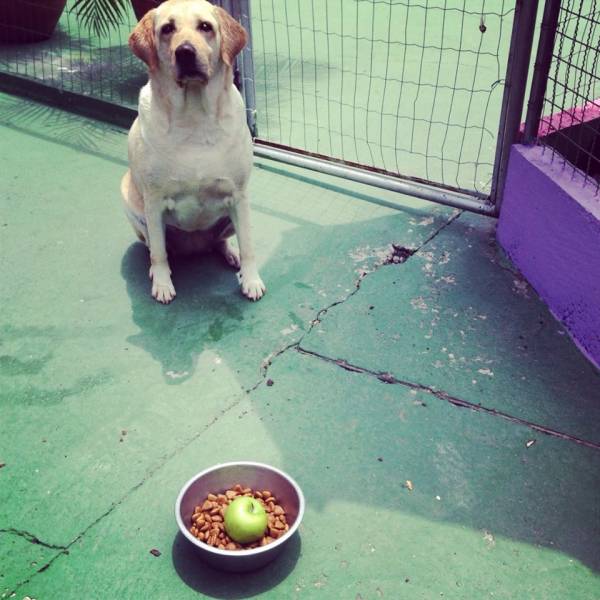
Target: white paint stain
[[487, 372], [489, 539], [449, 279], [288, 330], [521, 288], [176, 374], [419, 303]]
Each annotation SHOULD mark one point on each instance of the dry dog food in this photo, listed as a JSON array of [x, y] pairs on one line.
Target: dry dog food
[[207, 520]]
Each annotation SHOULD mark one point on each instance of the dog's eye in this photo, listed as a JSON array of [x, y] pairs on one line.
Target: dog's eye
[[205, 26], [167, 28]]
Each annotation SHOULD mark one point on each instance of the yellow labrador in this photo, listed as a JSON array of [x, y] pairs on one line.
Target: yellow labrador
[[190, 151]]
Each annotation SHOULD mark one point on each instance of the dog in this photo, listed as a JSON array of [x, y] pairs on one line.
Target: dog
[[190, 150]]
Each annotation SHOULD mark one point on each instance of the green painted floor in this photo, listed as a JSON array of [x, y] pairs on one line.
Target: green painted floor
[[439, 370]]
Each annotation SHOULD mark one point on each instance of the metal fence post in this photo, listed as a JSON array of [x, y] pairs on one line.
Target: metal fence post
[[543, 60], [514, 92], [241, 11]]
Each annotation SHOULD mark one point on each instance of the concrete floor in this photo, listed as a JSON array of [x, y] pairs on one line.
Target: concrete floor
[[440, 370]]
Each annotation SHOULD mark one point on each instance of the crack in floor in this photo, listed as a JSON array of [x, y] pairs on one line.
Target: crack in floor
[[390, 379], [398, 255], [115, 505], [33, 539]]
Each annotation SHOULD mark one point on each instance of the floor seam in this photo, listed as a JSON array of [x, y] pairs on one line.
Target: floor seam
[[398, 255], [128, 493], [388, 378], [30, 537], [401, 253]]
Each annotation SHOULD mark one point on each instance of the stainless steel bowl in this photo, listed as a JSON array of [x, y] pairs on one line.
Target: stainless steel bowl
[[222, 477]]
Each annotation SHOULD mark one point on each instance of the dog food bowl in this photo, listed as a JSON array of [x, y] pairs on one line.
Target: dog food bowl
[[222, 477]]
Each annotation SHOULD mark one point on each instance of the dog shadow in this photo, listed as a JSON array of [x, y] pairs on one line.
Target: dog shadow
[[219, 584], [177, 334]]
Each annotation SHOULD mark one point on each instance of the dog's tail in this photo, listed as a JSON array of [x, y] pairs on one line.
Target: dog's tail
[[133, 204]]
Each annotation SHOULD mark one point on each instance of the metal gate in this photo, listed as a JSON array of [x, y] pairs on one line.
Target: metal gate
[[423, 97]]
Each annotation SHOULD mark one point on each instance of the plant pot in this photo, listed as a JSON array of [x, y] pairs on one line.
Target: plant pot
[[24, 21], [141, 7]]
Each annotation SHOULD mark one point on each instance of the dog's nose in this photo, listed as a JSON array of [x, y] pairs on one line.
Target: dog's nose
[[185, 54]]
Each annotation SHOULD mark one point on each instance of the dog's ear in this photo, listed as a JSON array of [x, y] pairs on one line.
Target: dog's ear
[[233, 36], [142, 42]]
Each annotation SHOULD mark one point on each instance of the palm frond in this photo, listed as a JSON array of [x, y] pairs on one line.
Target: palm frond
[[99, 16]]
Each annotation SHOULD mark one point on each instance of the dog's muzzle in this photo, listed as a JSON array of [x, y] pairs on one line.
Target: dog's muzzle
[[188, 66]]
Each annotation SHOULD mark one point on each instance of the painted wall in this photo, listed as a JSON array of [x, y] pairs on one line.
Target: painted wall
[[550, 228]]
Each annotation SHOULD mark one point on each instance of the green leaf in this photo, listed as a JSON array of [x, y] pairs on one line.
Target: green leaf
[[99, 16]]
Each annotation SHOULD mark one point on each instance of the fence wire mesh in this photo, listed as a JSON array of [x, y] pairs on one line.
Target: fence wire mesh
[[570, 122], [409, 87], [77, 57]]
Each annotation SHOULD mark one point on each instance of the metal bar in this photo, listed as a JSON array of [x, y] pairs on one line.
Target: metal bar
[[241, 11], [514, 92], [87, 106], [395, 184], [123, 117], [541, 70]]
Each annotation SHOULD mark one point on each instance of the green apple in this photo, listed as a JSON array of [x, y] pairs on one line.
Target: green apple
[[245, 520]]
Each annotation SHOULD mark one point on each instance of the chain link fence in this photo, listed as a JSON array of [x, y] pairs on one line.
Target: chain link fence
[[77, 57], [564, 110], [408, 89], [412, 88]]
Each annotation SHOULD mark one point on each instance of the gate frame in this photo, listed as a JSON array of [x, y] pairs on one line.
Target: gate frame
[[518, 66], [541, 70], [517, 70]]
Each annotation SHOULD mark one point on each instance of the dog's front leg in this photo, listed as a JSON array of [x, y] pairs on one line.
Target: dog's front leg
[[160, 272], [251, 283]]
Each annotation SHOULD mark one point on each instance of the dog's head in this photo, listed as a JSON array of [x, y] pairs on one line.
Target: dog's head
[[188, 38]]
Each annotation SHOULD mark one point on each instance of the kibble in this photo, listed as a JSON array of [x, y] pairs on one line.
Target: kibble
[[207, 519]]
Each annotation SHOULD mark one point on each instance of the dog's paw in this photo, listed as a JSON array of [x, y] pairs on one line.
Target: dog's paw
[[164, 293], [253, 287], [162, 286]]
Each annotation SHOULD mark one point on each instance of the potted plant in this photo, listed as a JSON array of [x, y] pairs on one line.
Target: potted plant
[[25, 21], [99, 16], [35, 20], [141, 7]]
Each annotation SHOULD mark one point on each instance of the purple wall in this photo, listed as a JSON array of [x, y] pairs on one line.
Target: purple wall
[[550, 228]]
